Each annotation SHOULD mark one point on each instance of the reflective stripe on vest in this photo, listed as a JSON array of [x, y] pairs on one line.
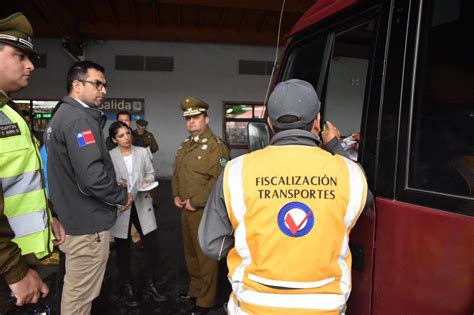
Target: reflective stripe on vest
[[4, 120], [25, 202], [294, 301], [233, 180], [290, 284], [21, 184], [356, 203], [29, 223], [252, 278]]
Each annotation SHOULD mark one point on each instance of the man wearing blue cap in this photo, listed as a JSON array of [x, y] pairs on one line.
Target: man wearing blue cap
[[25, 219], [272, 207]]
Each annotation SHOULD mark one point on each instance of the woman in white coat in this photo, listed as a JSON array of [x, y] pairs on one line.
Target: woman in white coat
[[133, 165]]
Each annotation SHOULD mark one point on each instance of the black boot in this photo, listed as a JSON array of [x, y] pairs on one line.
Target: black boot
[[151, 292], [128, 295]]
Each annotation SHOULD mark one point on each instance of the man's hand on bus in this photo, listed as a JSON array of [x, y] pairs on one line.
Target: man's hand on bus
[[329, 132]]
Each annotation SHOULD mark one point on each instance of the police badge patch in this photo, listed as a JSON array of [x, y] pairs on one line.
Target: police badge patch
[[222, 161]]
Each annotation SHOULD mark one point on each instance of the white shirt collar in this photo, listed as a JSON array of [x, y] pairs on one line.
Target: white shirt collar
[[82, 103]]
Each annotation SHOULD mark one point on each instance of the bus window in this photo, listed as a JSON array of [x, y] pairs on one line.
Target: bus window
[[308, 62], [347, 76], [441, 157]]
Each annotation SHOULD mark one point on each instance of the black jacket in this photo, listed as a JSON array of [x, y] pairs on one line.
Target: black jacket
[[81, 175]]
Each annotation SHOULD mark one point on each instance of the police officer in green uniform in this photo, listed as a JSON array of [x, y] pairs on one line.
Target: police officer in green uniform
[[147, 136], [199, 160], [25, 219]]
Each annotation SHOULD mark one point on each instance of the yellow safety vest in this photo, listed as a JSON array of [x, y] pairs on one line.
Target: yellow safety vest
[[25, 201], [292, 209]]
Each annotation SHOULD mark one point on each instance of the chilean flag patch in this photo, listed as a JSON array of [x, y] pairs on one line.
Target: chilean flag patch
[[84, 138]]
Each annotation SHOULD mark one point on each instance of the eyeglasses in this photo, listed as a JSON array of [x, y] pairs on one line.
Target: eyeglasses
[[98, 84]]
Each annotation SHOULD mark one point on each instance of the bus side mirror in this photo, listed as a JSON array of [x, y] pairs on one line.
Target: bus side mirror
[[259, 135]]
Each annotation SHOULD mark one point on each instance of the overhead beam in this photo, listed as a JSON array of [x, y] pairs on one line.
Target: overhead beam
[[223, 17], [134, 11], [157, 13], [297, 6], [179, 15], [114, 12], [181, 34], [41, 8], [201, 16], [243, 19], [61, 19], [262, 22]]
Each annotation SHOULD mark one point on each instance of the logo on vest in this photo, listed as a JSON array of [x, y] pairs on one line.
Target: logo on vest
[[295, 219]]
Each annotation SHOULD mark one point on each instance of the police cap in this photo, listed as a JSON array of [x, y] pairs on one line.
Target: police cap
[[192, 106], [142, 123], [16, 30]]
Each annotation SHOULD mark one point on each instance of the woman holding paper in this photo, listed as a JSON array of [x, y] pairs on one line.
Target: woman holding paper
[[134, 170]]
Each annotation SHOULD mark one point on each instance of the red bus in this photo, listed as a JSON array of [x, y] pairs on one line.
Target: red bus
[[402, 73]]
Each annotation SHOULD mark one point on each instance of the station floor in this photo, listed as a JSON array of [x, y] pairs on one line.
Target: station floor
[[173, 278]]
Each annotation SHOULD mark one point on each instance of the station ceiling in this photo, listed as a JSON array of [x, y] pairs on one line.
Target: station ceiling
[[253, 22]]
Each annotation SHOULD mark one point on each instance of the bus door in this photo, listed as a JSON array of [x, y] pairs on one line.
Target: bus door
[[337, 59], [343, 104], [424, 262]]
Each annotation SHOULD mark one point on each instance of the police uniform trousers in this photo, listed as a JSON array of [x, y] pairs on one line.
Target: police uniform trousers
[[203, 271]]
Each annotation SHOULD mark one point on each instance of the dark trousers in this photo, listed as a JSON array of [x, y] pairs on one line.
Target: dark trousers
[[150, 244], [7, 302]]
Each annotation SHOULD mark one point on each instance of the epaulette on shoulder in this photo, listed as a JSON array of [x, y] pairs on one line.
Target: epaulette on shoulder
[[4, 99], [220, 141]]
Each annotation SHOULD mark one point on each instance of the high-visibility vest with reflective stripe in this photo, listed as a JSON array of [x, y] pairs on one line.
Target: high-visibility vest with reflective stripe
[[292, 209], [25, 201]]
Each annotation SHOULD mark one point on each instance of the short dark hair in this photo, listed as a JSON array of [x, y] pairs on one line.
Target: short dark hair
[[1, 46], [79, 70], [291, 118], [124, 112], [115, 126]]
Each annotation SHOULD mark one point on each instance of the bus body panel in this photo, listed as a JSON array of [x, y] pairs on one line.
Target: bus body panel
[[361, 241], [319, 11], [424, 260]]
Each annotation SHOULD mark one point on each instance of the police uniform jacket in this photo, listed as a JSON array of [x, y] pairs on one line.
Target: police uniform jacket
[[143, 169], [150, 141], [82, 181], [198, 164]]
